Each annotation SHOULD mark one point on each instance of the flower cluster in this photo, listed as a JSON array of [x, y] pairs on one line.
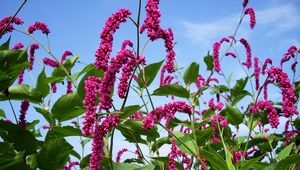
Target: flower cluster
[[112, 24], [8, 28], [256, 72], [98, 140], [251, 13], [33, 47], [167, 112], [288, 133], [38, 26], [288, 95], [248, 62], [272, 113], [216, 48], [230, 54], [69, 87], [53, 87], [290, 53], [245, 3], [50, 62], [65, 54], [175, 152], [71, 164], [120, 153], [267, 61], [110, 77], [23, 110], [18, 46], [91, 90], [21, 76], [223, 122]]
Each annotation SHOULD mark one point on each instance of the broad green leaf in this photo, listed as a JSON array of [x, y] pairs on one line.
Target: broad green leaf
[[11, 64], [173, 90], [68, 65], [12, 163], [67, 107], [47, 115], [129, 110], [2, 113], [188, 142], [87, 68], [85, 161], [214, 158], [31, 161], [22, 139], [233, 115], [148, 74], [239, 86], [59, 132], [54, 154], [203, 136], [22, 92], [209, 61], [191, 73], [285, 152], [5, 45], [159, 143], [42, 84], [240, 96], [250, 164], [92, 72], [288, 161]]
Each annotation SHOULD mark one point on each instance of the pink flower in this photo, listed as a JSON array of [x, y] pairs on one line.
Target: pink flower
[[126, 43], [248, 62], [219, 106], [9, 28], [91, 91], [18, 46], [172, 156], [230, 54], [237, 156], [38, 26], [211, 104], [293, 67], [200, 81], [112, 24], [288, 94], [137, 116], [224, 40], [20, 78], [251, 13], [288, 133], [46, 126], [110, 77], [256, 73], [64, 56], [33, 47], [53, 87], [245, 3], [272, 113], [216, 48], [120, 153], [23, 110], [50, 62], [267, 61], [69, 87], [217, 118]]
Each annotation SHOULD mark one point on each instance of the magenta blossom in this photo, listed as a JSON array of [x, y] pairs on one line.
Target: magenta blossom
[[50, 62], [248, 62], [251, 13], [65, 54], [18, 46], [216, 48], [120, 153], [9, 28], [230, 54], [38, 26], [256, 73], [33, 47], [23, 110]]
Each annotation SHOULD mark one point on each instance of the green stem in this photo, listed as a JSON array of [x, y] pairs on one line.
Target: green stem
[[16, 13], [13, 110]]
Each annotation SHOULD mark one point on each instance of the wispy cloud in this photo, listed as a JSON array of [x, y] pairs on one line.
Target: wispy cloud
[[273, 20]]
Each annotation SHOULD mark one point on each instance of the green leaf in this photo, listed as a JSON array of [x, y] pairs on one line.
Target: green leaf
[[250, 164], [148, 74], [209, 61], [10, 163], [228, 157], [191, 73], [2, 113], [22, 92], [173, 90], [68, 65], [214, 158], [31, 161], [239, 86], [22, 139], [59, 132], [67, 107], [288, 161], [122, 166], [285, 152], [5, 46], [159, 143], [11, 64], [187, 140], [233, 115], [129, 110], [240, 96], [42, 84], [47, 115], [85, 161], [203, 136], [92, 72], [87, 68], [54, 154]]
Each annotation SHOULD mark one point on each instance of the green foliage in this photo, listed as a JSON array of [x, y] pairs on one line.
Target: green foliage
[[173, 90], [148, 74], [22, 92], [191, 73]]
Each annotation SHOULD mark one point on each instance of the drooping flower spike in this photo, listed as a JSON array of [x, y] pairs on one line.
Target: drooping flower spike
[[65, 54], [8, 28], [256, 73], [251, 13], [248, 62], [33, 47], [18, 46], [23, 110], [38, 26]]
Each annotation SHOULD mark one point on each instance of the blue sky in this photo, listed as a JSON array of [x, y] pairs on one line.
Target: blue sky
[[76, 25]]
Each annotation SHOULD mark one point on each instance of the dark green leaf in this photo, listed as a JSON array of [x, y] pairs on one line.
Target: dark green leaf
[[240, 96], [47, 115], [87, 68], [42, 84], [209, 61], [239, 86], [22, 139], [233, 115], [129, 110], [11, 64], [173, 90], [23, 92], [2, 113], [288, 161], [31, 161], [11, 163], [191, 73], [214, 158], [54, 154], [59, 132], [67, 107], [148, 74], [5, 46], [159, 143], [68, 65], [188, 142]]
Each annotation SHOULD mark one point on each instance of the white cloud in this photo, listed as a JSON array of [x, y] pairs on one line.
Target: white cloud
[[272, 20]]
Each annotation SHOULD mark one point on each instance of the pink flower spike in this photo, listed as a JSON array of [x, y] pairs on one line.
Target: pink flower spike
[[267, 61], [23, 110], [21, 76], [248, 62], [120, 153], [245, 3], [33, 47], [251, 13], [216, 48], [230, 54], [69, 87], [224, 40], [64, 56], [50, 62], [9, 28], [38, 26], [18, 46], [256, 73]]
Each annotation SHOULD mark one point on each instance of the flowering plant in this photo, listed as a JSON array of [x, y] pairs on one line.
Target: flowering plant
[[199, 124]]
